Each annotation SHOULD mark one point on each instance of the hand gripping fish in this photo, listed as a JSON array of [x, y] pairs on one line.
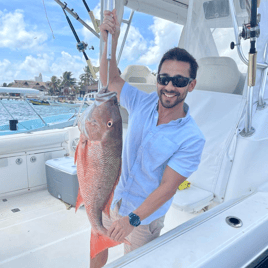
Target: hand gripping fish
[[98, 158]]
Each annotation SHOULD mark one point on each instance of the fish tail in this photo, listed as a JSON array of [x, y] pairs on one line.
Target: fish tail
[[79, 200], [100, 242]]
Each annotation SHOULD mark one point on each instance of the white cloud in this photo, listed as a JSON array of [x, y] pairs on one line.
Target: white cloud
[[13, 33], [166, 36], [135, 45], [37, 65], [67, 62], [46, 64], [6, 71]]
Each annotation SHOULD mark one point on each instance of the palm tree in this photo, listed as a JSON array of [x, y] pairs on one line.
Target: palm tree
[[67, 81], [86, 78], [54, 85]]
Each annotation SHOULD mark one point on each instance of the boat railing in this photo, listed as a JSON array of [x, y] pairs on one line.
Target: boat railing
[[80, 108], [249, 130]]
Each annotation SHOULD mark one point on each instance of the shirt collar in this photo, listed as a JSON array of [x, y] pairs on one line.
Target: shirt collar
[[182, 120]]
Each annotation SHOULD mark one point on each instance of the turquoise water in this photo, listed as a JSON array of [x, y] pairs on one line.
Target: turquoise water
[[22, 111]]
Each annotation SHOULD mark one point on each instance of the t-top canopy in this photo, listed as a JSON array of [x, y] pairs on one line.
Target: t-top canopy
[[22, 91]]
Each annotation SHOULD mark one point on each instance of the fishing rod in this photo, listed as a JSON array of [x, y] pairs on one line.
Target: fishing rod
[[251, 31], [94, 21], [254, 34], [81, 46], [75, 15]]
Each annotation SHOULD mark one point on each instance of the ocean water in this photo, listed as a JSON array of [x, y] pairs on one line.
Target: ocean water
[[21, 111]]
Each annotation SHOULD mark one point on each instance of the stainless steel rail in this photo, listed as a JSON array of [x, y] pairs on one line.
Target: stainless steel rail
[[125, 36], [261, 102]]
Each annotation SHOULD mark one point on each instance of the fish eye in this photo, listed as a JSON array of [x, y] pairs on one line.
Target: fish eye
[[110, 123]]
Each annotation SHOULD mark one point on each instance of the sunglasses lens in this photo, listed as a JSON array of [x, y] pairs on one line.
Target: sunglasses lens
[[180, 81], [163, 80], [177, 81]]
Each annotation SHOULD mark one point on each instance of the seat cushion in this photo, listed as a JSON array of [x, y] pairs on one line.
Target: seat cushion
[[192, 199]]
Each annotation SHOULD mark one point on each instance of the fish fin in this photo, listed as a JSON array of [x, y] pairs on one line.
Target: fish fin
[[108, 205], [99, 242], [76, 153], [106, 210], [79, 200]]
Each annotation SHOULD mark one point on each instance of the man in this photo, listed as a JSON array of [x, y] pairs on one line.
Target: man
[[162, 148]]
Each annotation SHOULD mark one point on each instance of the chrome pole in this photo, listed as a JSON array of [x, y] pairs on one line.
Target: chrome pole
[[262, 103], [248, 130], [101, 40], [36, 112], [125, 36]]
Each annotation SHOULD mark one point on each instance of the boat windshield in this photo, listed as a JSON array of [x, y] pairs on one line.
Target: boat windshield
[[209, 31]]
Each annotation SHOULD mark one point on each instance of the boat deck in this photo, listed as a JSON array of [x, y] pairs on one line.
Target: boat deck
[[44, 233]]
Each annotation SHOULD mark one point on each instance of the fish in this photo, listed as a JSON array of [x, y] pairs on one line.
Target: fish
[[98, 159]]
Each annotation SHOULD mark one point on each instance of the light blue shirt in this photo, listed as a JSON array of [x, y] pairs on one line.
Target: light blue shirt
[[148, 148]]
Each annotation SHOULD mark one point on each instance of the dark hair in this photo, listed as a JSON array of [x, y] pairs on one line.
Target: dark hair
[[180, 54]]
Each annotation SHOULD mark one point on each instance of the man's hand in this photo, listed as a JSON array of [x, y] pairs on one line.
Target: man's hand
[[110, 24], [120, 229]]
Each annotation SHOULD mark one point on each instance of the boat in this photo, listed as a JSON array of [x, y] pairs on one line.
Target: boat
[[38, 102], [33, 125], [221, 219]]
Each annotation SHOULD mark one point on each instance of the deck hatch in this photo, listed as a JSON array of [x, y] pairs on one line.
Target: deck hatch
[[14, 210]]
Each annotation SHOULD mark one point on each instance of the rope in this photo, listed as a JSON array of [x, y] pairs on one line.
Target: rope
[[48, 19]]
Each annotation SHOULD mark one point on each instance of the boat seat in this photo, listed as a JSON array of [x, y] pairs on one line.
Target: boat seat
[[219, 74], [192, 199], [138, 76]]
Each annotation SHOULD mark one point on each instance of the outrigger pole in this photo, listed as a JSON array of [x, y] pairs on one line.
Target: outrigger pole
[[94, 21], [81, 46], [70, 11]]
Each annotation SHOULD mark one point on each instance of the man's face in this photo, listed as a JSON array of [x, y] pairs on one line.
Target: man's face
[[169, 95]]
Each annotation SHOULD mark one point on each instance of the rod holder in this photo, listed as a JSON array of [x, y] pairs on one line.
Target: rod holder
[[252, 66]]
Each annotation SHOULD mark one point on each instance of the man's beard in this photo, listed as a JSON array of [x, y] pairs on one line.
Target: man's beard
[[174, 100]]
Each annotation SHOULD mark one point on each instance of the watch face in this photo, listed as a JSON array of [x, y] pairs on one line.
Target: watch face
[[134, 219]]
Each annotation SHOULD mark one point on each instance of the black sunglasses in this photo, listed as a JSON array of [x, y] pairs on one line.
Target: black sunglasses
[[177, 81]]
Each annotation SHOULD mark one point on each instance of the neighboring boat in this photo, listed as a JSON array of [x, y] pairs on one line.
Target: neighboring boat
[[220, 220], [63, 104], [38, 102], [41, 123]]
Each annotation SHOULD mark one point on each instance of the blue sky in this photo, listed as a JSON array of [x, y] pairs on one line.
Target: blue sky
[[27, 46]]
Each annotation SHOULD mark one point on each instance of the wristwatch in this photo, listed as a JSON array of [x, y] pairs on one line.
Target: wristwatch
[[134, 219]]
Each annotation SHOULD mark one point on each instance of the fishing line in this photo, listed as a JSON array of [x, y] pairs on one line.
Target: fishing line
[[48, 19]]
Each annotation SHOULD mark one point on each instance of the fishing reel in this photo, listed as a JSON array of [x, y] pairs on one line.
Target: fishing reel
[[247, 29], [82, 46]]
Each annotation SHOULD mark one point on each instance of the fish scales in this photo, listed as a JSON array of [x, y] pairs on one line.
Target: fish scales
[[103, 171], [98, 157]]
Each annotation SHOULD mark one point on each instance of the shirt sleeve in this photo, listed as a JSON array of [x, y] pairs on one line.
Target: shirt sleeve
[[186, 160], [131, 97]]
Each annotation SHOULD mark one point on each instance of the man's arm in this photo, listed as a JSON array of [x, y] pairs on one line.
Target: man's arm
[[168, 187], [110, 24]]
